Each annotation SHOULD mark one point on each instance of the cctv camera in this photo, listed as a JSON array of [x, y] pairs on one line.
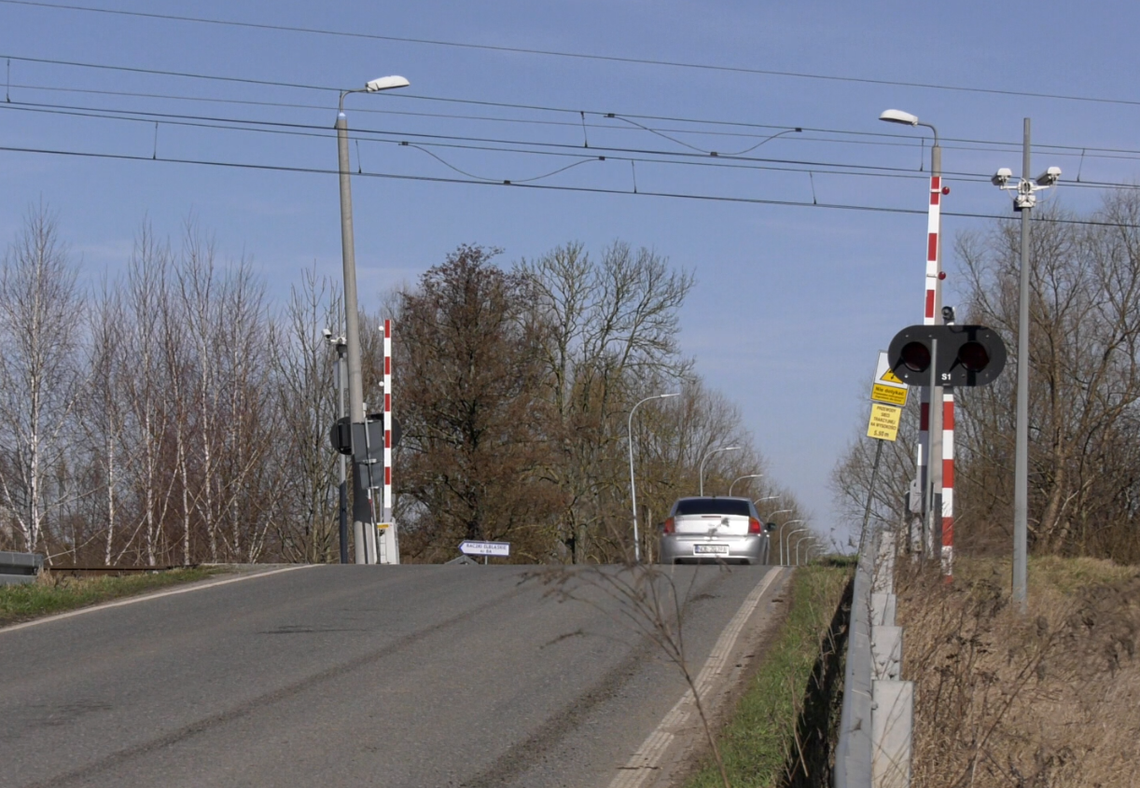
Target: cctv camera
[[327, 333], [948, 315], [1002, 176], [1049, 177]]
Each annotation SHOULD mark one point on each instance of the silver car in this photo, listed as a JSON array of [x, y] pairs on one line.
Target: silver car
[[714, 529]]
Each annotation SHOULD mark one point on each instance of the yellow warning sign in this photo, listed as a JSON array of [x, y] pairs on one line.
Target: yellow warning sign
[[884, 423], [888, 394], [887, 387]]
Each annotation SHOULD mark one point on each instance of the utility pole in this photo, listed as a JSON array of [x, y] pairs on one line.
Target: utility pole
[[363, 511], [1021, 450], [1023, 201]]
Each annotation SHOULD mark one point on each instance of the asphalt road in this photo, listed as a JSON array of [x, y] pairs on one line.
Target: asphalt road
[[357, 676]]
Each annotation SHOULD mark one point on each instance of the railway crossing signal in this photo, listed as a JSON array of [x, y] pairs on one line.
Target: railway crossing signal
[[959, 355]]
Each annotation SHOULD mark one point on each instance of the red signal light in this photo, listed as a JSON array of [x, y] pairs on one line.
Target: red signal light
[[973, 356], [916, 356]]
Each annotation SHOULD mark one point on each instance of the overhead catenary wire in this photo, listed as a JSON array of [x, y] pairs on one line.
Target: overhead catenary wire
[[719, 198], [517, 146], [904, 140]]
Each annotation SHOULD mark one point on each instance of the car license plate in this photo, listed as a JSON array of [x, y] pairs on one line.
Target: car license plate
[[710, 549]]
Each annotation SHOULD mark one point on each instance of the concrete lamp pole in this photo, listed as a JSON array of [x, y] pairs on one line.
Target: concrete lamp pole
[[742, 478], [800, 541], [1023, 201], [930, 439], [701, 471], [787, 540], [768, 519], [362, 510], [632, 482]]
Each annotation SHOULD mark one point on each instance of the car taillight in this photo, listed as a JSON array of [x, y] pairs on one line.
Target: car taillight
[[754, 526], [668, 526]]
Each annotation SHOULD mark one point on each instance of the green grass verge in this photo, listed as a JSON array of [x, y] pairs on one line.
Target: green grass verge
[[757, 741], [47, 596]]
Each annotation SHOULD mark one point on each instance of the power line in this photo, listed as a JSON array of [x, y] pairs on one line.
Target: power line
[[861, 137], [499, 145], [527, 147], [574, 55], [547, 187]]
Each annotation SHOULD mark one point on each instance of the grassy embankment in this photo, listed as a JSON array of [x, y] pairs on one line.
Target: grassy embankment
[[1050, 697], [783, 726], [50, 595]]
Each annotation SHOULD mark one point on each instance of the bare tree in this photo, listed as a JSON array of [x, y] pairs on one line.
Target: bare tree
[[105, 416], [606, 326], [306, 524], [144, 387], [41, 316], [1084, 378]]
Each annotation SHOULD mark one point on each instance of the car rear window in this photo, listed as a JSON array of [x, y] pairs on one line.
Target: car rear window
[[712, 506]]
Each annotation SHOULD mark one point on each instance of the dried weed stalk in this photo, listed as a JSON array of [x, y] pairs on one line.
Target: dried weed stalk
[[1045, 700]]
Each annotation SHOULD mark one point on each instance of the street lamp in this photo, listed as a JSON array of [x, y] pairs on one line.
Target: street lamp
[[787, 538], [741, 478], [1023, 201], [800, 541], [931, 485], [632, 483], [361, 506], [930, 473], [701, 471]]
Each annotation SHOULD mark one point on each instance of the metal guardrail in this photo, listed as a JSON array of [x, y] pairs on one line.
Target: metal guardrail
[[19, 567], [876, 722]]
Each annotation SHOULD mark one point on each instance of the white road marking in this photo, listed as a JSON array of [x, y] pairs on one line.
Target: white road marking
[[646, 762], [147, 597]]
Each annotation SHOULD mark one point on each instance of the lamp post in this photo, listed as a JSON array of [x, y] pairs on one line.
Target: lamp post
[[787, 538], [1023, 201], [930, 462], [741, 478], [768, 519], [930, 449], [701, 471], [798, 543], [362, 510], [632, 482], [342, 488]]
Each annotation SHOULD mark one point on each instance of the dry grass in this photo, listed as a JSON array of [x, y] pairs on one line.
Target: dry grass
[[1050, 699]]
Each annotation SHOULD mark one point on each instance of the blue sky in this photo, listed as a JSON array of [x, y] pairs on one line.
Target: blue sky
[[794, 297]]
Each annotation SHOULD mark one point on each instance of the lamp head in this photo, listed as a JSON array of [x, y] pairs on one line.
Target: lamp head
[[898, 116], [386, 83]]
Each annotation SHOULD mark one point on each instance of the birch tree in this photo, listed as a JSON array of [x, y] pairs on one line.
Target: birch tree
[[41, 316]]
